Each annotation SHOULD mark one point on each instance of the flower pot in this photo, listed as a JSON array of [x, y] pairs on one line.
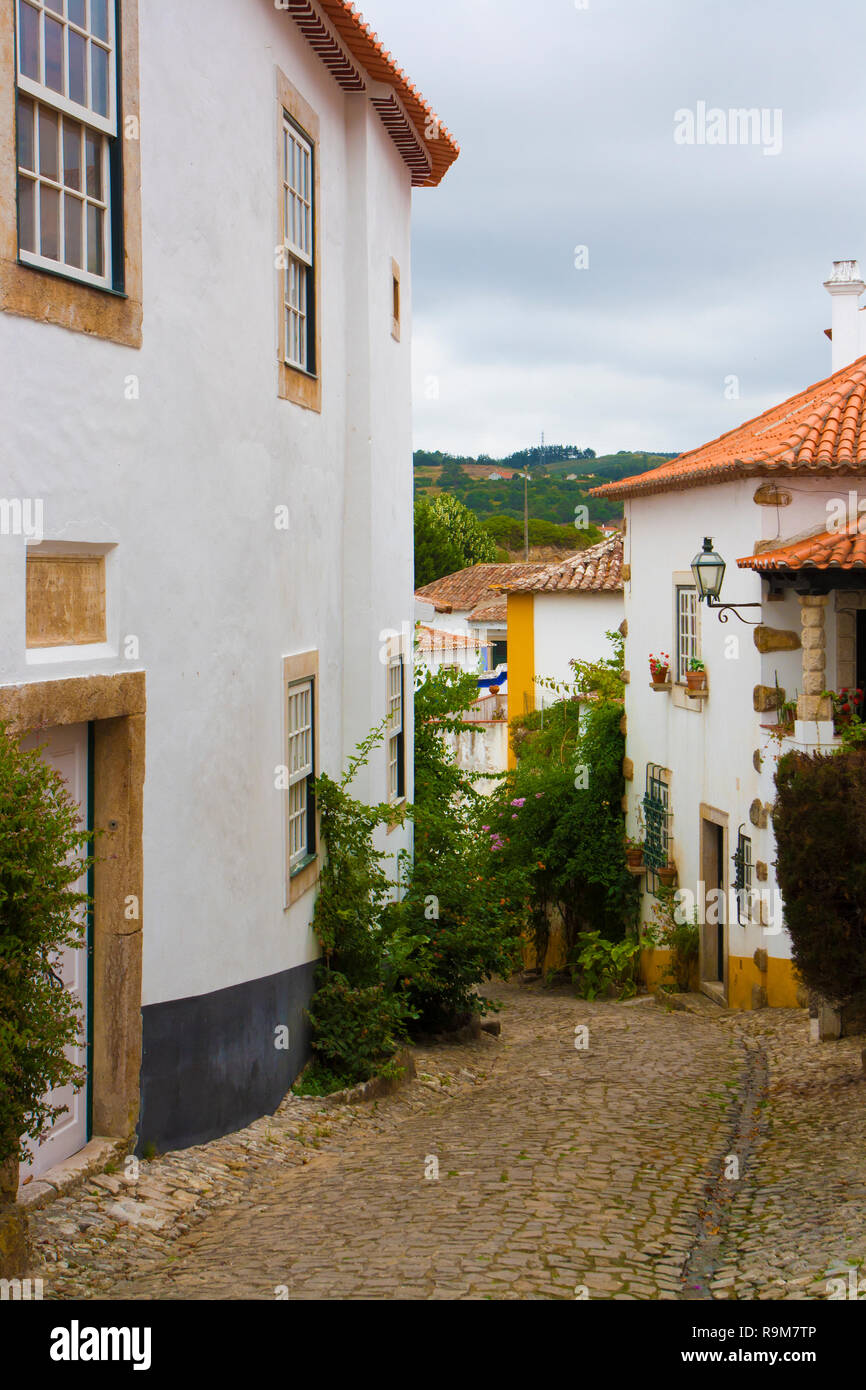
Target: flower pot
[[667, 875], [634, 858], [495, 689], [659, 674], [696, 680]]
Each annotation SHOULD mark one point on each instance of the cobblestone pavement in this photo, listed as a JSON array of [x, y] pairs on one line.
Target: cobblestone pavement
[[563, 1172]]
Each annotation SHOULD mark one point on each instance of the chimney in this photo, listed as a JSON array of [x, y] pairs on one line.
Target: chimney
[[845, 288]]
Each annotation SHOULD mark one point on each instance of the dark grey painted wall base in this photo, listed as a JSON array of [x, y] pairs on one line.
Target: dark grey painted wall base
[[209, 1064]]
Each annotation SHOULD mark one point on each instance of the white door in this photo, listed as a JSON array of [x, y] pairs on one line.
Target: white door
[[66, 751]]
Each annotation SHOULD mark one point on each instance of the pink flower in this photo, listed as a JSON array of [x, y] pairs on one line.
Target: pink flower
[[538, 794], [514, 817], [518, 801], [485, 827]]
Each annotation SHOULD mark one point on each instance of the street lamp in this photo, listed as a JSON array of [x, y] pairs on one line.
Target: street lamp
[[708, 569]]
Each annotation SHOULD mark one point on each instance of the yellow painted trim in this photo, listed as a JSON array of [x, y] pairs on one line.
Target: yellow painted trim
[[784, 990], [521, 658]]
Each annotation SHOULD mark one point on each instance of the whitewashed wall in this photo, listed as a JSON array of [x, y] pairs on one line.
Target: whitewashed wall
[[572, 626], [184, 481]]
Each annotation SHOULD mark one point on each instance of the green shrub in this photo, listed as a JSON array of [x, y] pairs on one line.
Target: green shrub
[[357, 1029], [601, 967], [821, 867], [674, 932], [42, 854]]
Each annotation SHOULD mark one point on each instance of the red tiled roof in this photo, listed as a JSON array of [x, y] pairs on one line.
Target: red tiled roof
[[844, 549], [425, 144], [490, 610], [463, 589], [434, 639], [820, 430], [594, 570]]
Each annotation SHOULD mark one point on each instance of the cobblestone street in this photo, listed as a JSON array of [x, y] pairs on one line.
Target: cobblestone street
[[562, 1172]]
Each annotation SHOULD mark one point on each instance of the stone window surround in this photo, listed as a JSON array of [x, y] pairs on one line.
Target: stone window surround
[[294, 384], [847, 602], [52, 297], [115, 705]]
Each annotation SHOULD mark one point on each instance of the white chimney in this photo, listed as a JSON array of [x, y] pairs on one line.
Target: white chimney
[[845, 288]]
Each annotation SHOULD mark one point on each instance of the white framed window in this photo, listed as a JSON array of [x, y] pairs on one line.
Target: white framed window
[[297, 215], [301, 820], [396, 742], [67, 121], [687, 628]]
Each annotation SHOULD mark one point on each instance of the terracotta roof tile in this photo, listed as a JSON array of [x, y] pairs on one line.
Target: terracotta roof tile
[[844, 549], [595, 570], [820, 430], [490, 610], [428, 148], [464, 589], [434, 639]]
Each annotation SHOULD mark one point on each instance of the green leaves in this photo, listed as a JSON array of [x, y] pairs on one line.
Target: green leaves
[[42, 854]]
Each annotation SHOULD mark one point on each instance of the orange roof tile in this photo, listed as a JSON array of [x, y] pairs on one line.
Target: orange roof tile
[[844, 549], [594, 570], [463, 589], [427, 146], [434, 639], [820, 430]]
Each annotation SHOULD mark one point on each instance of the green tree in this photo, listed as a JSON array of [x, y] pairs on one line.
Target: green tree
[[448, 537], [42, 854]]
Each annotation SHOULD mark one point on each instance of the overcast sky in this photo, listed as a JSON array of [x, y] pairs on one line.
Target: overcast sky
[[705, 261]]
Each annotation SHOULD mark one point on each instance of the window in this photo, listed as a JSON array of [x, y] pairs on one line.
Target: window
[[396, 742], [300, 765], [687, 628], [395, 300], [66, 136], [300, 696], [743, 876], [657, 817], [299, 291]]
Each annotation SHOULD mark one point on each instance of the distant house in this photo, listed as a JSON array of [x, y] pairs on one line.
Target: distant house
[[560, 612], [776, 499], [472, 601], [494, 477]]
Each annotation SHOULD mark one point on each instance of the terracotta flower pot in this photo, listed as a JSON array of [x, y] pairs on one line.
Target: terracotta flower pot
[[634, 858], [659, 674], [696, 680], [668, 875], [495, 689]]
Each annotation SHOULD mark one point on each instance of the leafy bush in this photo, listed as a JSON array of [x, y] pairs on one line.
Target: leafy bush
[[821, 867], [601, 967], [42, 854], [357, 1029], [468, 920], [559, 812], [671, 930]]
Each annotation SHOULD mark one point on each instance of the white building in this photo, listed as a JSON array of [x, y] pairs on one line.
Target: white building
[[205, 394], [559, 614], [774, 497]]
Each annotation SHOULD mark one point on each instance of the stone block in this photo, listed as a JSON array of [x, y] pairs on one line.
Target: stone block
[[757, 760], [626, 677], [767, 697], [759, 997], [760, 959], [761, 871], [813, 600], [769, 495], [813, 707], [628, 769], [813, 682], [775, 639], [758, 814], [814, 660], [623, 726], [626, 572], [814, 639], [812, 617]]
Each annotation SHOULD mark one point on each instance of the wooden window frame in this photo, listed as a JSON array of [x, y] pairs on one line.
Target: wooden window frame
[[50, 291], [396, 735], [684, 652], [300, 878], [295, 383]]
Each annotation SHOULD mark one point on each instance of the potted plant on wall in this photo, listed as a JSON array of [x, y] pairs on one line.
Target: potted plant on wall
[[667, 875], [696, 675], [633, 853], [660, 666]]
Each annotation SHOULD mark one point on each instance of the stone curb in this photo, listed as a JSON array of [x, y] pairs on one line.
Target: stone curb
[[376, 1086], [93, 1159]]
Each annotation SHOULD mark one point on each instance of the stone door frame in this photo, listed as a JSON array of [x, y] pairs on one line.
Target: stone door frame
[[115, 706]]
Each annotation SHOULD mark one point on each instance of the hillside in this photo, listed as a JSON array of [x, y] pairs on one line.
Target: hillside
[[554, 496]]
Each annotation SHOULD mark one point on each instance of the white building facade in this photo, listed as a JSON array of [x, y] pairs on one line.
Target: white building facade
[[774, 499], [204, 329]]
